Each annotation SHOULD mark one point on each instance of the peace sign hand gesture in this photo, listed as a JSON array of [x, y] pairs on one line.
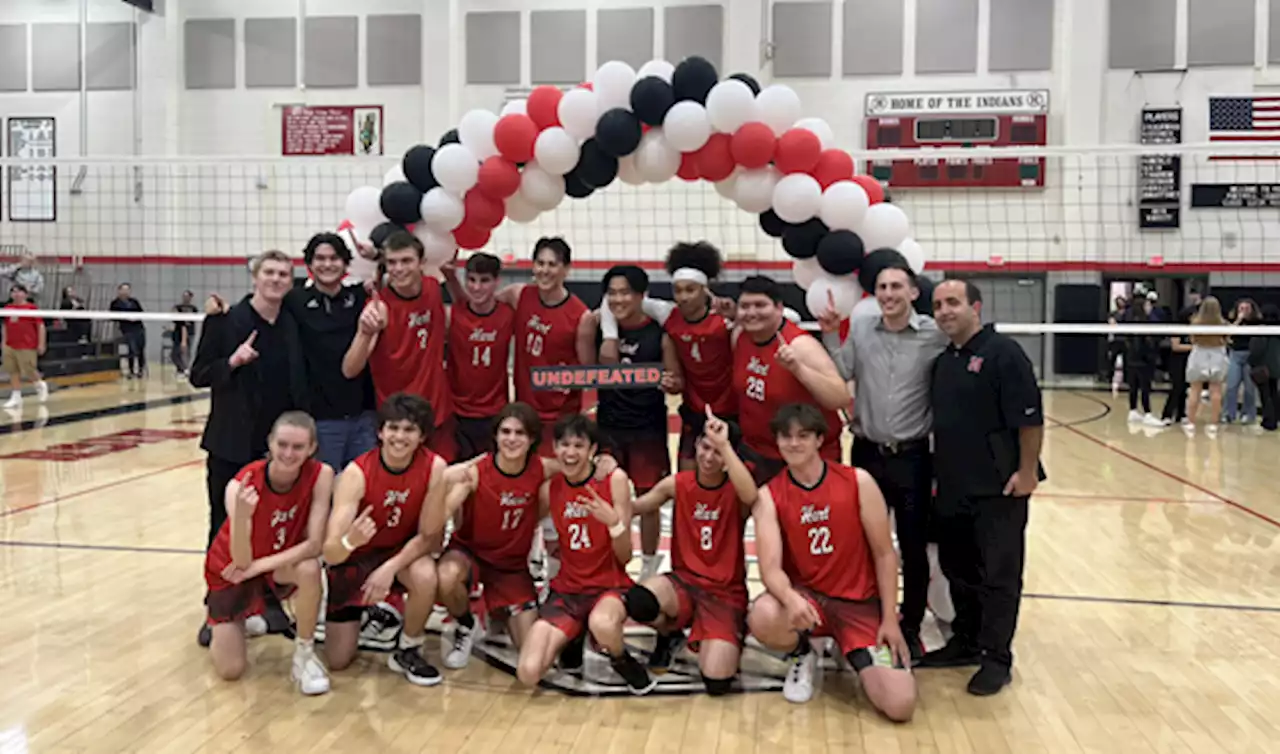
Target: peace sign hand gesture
[[361, 529], [245, 352], [604, 513]]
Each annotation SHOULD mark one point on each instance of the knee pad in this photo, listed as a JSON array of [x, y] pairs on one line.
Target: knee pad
[[717, 686], [642, 605]]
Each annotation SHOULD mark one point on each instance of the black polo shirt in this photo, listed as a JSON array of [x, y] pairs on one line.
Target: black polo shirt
[[983, 393], [326, 326]]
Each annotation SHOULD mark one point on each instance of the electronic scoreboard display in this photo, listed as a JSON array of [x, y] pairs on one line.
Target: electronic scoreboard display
[[981, 121]]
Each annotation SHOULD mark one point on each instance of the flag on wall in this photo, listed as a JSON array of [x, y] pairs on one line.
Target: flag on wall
[[1249, 120]]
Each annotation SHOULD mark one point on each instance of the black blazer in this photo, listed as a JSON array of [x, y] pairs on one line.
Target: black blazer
[[236, 395]]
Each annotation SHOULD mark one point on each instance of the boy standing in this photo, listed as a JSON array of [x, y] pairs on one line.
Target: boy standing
[[24, 342]]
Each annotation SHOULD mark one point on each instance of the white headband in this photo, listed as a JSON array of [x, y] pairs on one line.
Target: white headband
[[688, 273]]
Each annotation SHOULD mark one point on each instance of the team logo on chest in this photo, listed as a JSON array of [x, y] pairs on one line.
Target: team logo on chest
[[704, 512], [536, 323], [756, 366], [512, 500], [481, 335], [812, 514], [418, 319], [280, 517], [628, 348], [395, 497], [577, 508]]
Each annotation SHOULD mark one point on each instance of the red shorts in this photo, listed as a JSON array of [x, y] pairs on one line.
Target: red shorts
[[569, 612], [235, 602], [442, 441], [505, 590], [712, 613], [346, 582], [853, 624], [643, 454]]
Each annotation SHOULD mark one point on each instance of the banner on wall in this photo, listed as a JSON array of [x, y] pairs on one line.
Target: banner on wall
[[33, 189], [331, 130], [1160, 175], [1235, 195]]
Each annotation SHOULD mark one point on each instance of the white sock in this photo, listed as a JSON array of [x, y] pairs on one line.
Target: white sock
[[411, 642], [304, 645]]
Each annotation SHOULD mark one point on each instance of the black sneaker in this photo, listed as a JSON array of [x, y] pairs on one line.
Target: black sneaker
[[571, 655], [664, 652], [379, 629], [956, 654], [416, 669], [639, 682], [205, 637], [989, 679]]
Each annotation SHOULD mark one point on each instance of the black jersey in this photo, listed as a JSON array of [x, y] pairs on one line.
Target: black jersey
[[643, 409]]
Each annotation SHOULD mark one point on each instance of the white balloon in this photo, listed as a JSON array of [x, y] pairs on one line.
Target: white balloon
[[515, 107], [578, 113], [728, 187], [629, 171], [754, 192], [542, 189], [455, 168], [394, 175], [805, 271], [612, 84], [660, 68], [521, 210], [656, 160], [556, 151], [475, 131], [731, 104], [844, 290], [914, 253], [844, 204], [884, 227], [779, 107], [820, 128], [364, 207], [797, 198], [867, 307], [439, 248], [441, 211], [686, 127]]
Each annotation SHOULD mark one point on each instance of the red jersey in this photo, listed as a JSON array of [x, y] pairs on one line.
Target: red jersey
[[500, 517], [824, 546], [279, 520], [704, 347], [394, 497], [478, 348], [763, 386], [707, 531], [546, 336], [409, 357], [22, 333], [587, 563]]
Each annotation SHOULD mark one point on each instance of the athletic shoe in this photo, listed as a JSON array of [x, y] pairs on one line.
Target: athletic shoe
[[1151, 420], [205, 637], [15, 400], [380, 629], [42, 391], [799, 685], [255, 626], [989, 679], [464, 638], [1135, 417], [571, 656], [639, 682], [1211, 430], [956, 654], [416, 669], [308, 673], [664, 652]]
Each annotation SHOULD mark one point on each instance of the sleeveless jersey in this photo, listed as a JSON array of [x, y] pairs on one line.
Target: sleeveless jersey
[[499, 519], [587, 563], [395, 498], [279, 520], [763, 386], [478, 347], [409, 357], [704, 348], [546, 336], [707, 533], [644, 409], [823, 545]]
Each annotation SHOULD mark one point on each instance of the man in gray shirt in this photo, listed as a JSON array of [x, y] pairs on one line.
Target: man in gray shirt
[[890, 358]]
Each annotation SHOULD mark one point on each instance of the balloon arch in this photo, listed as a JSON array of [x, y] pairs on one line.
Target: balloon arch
[[649, 126]]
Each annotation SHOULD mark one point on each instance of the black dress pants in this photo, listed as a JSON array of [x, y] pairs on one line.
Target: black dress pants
[[218, 473]]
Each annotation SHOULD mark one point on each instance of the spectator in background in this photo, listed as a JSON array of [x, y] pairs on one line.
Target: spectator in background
[[1264, 366], [1141, 355], [24, 341], [183, 332], [1175, 406], [132, 331], [72, 302], [25, 274], [1115, 345], [1244, 313], [1207, 365]]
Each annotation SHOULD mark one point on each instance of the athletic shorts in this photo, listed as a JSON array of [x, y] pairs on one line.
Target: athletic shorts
[[235, 602], [1206, 364], [710, 613], [443, 442], [19, 361], [690, 427], [473, 435], [853, 624], [346, 582], [569, 612], [505, 591], [643, 454]]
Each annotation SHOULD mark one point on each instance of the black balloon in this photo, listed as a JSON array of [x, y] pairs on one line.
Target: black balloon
[[401, 203], [801, 241], [450, 137], [380, 234], [596, 167], [873, 263], [651, 98], [575, 187], [840, 252], [924, 304], [618, 132], [693, 79], [417, 167], [771, 224], [749, 80]]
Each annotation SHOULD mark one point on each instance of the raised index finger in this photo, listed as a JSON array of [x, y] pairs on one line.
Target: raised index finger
[[252, 337]]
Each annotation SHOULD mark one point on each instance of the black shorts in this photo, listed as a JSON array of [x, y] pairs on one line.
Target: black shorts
[[762, 468], [473, 435], [346, 583], [643, 454], [691, 424]]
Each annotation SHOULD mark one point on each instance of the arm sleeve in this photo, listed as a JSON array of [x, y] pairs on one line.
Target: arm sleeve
[[656, 308]]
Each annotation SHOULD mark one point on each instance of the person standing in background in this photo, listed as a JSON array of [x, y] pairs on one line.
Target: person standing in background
[[1175, 406], [24, 342], [73, 302], [25, 274], [183, 332], [1142, 352], [1264, 366], [132, 331], [1244, 313], [1207, 365]]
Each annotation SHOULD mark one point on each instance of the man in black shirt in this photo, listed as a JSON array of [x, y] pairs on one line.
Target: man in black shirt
[[988, 425], [132, 331], [183, 334]]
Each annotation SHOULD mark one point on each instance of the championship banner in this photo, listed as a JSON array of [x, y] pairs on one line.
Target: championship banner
[[331, 130], [613, 377], [33, 189]]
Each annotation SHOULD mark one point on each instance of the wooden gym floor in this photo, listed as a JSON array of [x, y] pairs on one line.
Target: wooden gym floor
[[1151, 620]]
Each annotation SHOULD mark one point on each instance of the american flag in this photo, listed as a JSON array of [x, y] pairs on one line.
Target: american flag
[[1254, 121]]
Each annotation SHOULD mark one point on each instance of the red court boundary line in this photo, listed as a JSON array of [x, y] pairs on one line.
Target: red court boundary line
[[98, 488], [1125, 498]]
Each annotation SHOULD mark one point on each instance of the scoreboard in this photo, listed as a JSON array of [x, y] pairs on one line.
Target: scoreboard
[[982, 121]]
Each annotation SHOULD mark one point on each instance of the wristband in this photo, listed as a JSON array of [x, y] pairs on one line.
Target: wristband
[[347, 544], [617, 529]]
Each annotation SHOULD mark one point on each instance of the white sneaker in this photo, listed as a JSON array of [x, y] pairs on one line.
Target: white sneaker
[[1211, 430], [1135, 417], [42, 391], [798, 688], [1151, 420], [308, 672], [15, 400], [463, 640], [254, 626]]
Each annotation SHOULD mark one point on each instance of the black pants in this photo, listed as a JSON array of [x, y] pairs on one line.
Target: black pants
[[177, 357], [982, 550], [1140, 387], [1175, 406], [906, 479], [218, 472], [1268, 390], [135, 342]]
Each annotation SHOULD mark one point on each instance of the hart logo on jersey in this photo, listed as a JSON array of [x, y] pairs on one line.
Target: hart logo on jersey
[[704, 512], [811, 514], [577, 508], [756, 366], [395, 497], [535, 323], [481, 335], [512, 500], [419, 319], [280, 517]]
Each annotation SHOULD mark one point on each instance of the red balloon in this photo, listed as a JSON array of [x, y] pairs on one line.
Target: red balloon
[[875, 192], [833, 165], [499, 177], [482, 210], [543, 104], [587, 85], [514, 136], [798, 151], [471, 237], [689, 167], [753, 145], [715, 159]]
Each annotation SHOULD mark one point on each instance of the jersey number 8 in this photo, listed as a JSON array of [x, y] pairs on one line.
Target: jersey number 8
[[704, 540]]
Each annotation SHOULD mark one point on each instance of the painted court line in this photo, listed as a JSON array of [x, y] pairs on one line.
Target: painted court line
[[101, 548], [99, 488], [1126, 498]]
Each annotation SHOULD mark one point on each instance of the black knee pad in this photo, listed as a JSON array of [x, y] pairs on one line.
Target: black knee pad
[[717, 686], [642, 605]]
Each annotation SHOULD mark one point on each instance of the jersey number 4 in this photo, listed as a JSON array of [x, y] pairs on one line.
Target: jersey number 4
[[579, 537], [820, 541], [755, 388]]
